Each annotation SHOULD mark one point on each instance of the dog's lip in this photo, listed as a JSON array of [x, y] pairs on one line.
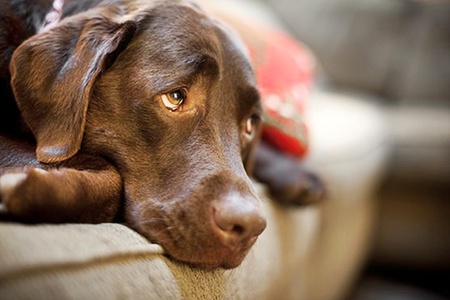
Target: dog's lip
[[227, 259], [230, 261]]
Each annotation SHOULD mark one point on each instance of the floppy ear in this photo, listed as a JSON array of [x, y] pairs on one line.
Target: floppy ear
[[53, 74]]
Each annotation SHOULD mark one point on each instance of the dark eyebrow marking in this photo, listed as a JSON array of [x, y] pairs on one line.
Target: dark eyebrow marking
[[188, 70]]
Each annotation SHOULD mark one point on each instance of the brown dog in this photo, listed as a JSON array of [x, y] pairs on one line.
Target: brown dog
[[142, 109]]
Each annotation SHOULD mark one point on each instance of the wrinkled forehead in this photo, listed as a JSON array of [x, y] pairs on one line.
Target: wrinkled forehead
[[179, 36]]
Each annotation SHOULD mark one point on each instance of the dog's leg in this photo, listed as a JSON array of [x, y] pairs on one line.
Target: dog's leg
[[83, 190], [288, 180]]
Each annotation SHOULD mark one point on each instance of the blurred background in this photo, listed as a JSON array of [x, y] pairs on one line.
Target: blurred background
[[395, 53]]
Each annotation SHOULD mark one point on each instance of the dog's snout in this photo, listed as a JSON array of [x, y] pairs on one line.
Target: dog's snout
[[237, 220]]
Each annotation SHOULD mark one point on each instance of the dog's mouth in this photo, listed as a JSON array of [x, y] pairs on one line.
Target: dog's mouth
[[217, 236], [206, 251], [220, 257]]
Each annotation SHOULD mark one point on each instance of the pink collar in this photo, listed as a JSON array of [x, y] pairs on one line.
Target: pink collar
[[53, 16]]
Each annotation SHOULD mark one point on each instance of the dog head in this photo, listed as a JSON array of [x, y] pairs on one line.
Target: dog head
[[168, 96]]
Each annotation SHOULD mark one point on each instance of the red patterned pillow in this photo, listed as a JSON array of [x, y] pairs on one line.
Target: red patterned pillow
[[284, 71]]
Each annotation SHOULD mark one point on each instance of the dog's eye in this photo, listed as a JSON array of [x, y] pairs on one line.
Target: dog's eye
[[174, 99], [251, 123]]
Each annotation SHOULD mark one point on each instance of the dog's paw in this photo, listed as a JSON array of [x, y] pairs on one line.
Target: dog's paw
[[9, 183], [287, 179], [296, 185], [16, 186]]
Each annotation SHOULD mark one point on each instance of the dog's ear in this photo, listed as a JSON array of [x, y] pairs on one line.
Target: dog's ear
[[53, 74]]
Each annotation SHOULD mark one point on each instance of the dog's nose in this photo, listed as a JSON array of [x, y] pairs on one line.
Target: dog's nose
[[237, 220]]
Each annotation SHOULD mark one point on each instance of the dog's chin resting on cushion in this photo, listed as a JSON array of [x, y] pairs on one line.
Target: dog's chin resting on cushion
[[145, 112]]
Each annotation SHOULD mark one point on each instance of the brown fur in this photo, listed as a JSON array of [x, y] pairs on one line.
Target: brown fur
[[98, 142]]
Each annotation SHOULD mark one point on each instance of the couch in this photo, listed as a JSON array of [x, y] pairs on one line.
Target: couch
[[311, 252]]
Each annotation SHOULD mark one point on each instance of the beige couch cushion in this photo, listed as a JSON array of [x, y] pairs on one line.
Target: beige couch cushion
[[110, 261]]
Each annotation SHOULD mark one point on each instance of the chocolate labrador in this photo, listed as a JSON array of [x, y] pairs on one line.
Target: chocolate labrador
[[147, 110]]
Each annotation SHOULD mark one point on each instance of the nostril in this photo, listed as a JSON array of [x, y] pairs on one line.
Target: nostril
[[236, 219], [238, 229]]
